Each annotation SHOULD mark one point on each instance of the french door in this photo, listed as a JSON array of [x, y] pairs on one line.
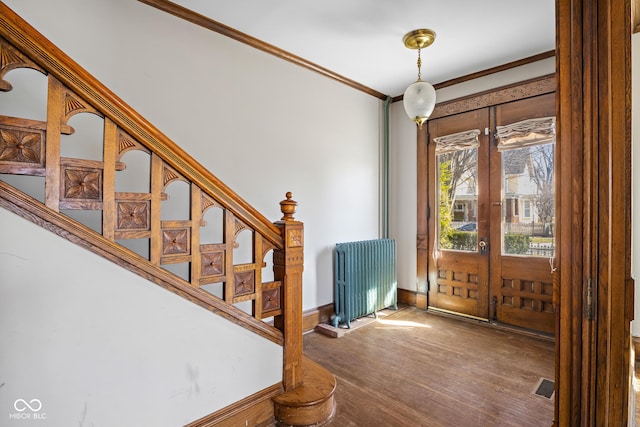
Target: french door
[[492, 211]]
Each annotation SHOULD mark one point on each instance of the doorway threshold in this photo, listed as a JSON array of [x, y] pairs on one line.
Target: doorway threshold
[[456, 314], [490, 323]]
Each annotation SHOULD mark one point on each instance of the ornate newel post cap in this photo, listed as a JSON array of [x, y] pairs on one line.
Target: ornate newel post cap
[[288, 207]]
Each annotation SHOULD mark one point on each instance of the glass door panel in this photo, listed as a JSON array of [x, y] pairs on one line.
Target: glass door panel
[[528, 212], [522, 198], [492, 222], [458, 265], [458, 199]]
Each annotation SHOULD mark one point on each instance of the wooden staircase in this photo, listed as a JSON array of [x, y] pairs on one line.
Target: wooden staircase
[[33, 148]]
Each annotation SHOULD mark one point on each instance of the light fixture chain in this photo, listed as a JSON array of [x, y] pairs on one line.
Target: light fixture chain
[[419, 65]]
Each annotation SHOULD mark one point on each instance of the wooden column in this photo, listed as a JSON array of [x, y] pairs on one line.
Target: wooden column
[[288, 264], [422, 238], [594, 290]]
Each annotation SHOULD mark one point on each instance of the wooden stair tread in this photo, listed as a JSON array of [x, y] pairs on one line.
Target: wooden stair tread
[[310, 404]]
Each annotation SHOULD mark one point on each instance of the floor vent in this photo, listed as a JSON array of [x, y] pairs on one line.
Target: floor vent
[[545, 388]]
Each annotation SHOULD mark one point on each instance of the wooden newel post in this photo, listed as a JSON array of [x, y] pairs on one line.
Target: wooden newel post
[[288, 265]]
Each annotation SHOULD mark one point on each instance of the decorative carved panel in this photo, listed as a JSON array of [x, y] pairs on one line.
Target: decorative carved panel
[[546, 84], [266, 247], [21, 149], [176, 241], [208, 202], [169, 175], [10, 59], [73, 105], [271, 300], [81, 183], [294, 238], [212, 263], [239, 226], [133, 215], [127, 143], [529, 295], [244, 282], [459, 284]]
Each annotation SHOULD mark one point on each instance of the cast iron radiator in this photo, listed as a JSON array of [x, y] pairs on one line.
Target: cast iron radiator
[[364, 278]]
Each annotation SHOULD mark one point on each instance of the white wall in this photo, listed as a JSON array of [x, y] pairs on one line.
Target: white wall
[[635, 177], [402, 193], [262, 125], [403, 178], [100, 346]]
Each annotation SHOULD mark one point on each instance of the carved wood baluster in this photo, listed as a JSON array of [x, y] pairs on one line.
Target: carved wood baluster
[[229, 240], [257, 261], [109, 179], [55, 115], [211, 267], [132, 211], [244, 279], [157, 188], [81, 180], [271, 293], [196, 223], [176, 235]]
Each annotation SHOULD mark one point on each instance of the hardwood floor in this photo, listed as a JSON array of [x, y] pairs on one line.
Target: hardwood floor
[[416, 368]]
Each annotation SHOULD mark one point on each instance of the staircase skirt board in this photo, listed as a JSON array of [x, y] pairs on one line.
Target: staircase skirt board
[[255, 410]]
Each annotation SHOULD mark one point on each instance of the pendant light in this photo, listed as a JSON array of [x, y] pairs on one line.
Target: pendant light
[[420, 97]]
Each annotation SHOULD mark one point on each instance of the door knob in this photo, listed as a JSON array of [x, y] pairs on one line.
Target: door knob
[[482, 245]]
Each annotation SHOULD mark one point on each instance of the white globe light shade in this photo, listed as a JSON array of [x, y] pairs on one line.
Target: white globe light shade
[[419, 100]]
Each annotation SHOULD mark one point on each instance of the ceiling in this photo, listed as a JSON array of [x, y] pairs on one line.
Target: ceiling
[[362, 39]]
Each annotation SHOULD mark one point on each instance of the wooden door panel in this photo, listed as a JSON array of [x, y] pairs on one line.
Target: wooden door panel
[[521, 286], [458, 279], [461, 285], [492, 283], [525, 297]]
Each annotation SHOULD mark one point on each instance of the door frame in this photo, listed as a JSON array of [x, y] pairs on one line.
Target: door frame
[[536, 295], [593, 287], [527, 89], [476, 263]]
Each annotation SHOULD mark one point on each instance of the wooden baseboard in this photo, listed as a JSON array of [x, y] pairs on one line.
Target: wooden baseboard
[[407, 297], [311, 318], [255, 410]]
